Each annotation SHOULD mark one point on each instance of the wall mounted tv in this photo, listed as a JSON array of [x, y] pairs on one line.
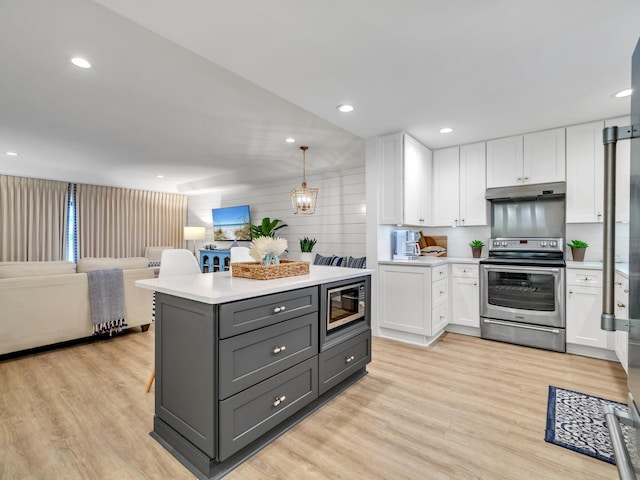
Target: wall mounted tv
[[231, 223]]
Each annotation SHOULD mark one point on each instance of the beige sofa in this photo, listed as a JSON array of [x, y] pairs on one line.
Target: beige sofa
[[43, 303]]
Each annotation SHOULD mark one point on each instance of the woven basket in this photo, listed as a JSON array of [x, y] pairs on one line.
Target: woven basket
[[257, 271]]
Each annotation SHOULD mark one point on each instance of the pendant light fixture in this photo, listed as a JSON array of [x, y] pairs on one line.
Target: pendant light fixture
[[303, 200]]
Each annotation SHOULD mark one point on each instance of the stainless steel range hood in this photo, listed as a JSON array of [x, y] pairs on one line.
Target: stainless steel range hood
[[527, 192]]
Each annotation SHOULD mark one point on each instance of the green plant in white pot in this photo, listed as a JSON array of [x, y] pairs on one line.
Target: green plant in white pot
[[306, 249], [578, 249]]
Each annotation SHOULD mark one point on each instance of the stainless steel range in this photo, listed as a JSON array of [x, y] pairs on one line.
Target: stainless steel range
[[522, 292]]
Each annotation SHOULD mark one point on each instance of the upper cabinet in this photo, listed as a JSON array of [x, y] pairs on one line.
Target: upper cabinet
[[404, 173], [459, 186], [533, 158], [585, 173]]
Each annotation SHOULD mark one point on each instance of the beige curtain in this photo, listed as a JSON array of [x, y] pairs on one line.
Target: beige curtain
[[120, 222], [33, 218]]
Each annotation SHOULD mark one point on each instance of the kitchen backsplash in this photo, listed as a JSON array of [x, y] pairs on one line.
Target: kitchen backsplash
[[458, 240], [592, 234]]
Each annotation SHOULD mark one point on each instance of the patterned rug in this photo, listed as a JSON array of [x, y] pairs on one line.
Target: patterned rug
[[575, 421]]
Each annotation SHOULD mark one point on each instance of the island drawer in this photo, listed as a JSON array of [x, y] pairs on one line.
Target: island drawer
[[584, 277], [464, 270], [246, 315], [257, 355], [341, 361], [253, 412]]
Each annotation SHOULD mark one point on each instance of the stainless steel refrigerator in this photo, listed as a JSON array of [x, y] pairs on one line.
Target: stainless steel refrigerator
[[626, 457]]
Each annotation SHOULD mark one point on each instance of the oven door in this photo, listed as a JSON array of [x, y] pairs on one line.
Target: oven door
[[525, 294]]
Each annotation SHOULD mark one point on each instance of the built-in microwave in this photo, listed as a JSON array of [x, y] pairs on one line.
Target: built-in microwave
[[345, 304], [344, 308]]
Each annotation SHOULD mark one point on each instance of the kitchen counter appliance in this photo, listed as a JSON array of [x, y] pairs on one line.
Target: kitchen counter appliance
[[522, 292], [405, 245]]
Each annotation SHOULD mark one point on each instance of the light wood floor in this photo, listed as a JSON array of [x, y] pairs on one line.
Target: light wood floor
[[464, 409]]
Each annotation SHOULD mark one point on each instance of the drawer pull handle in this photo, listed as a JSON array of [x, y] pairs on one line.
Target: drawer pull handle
[[350, 359], [441, 292], [586, 279], [279, 309], [279, 400], [279, 349], [441, 272]]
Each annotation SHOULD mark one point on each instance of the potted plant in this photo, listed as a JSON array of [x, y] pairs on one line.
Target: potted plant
[[266, 228], [476, 248], [578, 249], [306, 247]]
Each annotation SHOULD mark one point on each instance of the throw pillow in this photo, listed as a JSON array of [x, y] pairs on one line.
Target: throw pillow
[[355, 262], [333, 260]]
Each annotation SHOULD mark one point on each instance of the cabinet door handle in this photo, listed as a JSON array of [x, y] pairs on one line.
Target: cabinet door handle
[[279, 309], [622, 305], [526, 178], [279, 349], [475, 284], [350, 359], [441, 272], [279, 400], [586, 279], [462, 221], [618, 283], [626, 290], [519, 179], [441, 292]]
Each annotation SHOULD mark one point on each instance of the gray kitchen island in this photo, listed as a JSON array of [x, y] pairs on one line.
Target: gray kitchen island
[[240, 361]]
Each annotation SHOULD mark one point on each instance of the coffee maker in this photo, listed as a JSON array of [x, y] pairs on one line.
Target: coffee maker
[[405, 245]]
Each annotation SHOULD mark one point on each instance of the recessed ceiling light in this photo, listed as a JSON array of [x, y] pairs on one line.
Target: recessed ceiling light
[[80, 62], [160, 176], [446, 130], [12, 154], [290, 140], [623, 93], [346, 108]]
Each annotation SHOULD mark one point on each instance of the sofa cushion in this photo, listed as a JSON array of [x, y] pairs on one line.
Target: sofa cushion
[[89, 264], [333, 260], [353, 262], [33, 269]]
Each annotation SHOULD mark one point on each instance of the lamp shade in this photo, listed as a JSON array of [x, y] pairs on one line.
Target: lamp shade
[[194, 233]]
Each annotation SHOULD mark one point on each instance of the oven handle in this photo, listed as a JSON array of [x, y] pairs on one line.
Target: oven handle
[[521, 269], [519, 325], [613, 416]]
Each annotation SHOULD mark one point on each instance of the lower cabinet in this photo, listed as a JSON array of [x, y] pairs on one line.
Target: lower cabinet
[[465, 292], [253, 412], [413, 299], [339, 362], [621, 337], [584, 307]]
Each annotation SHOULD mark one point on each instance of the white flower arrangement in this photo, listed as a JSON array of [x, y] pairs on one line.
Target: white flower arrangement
[[266, 250]]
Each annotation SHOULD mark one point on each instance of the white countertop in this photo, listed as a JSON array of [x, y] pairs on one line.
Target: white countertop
[[621, 267], [221, 287], [427, 261]]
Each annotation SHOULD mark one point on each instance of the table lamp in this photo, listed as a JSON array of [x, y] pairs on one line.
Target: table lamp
[[194, 233]]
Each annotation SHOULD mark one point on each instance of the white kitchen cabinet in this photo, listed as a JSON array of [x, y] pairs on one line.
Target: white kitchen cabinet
[[585, 173], [622, 337], [417, 180], [623, 171], [585, 170], [446, 187], [465, 294], [404, 172], [459, 186], [413, 299], [533, 158], [584, 307], [405, 298], [390, 168]]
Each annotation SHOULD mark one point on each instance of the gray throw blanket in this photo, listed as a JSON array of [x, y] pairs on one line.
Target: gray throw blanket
[[106, 298]]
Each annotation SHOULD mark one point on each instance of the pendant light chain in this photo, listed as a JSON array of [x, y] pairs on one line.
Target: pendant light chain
[[304, 166]]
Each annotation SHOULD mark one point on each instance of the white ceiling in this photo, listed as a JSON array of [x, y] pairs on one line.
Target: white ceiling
[[204, 92]]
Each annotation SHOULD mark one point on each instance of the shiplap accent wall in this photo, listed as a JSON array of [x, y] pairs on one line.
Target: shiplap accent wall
[[338, 224]]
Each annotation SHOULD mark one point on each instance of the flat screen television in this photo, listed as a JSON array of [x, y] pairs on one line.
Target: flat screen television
[[231, 223]]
